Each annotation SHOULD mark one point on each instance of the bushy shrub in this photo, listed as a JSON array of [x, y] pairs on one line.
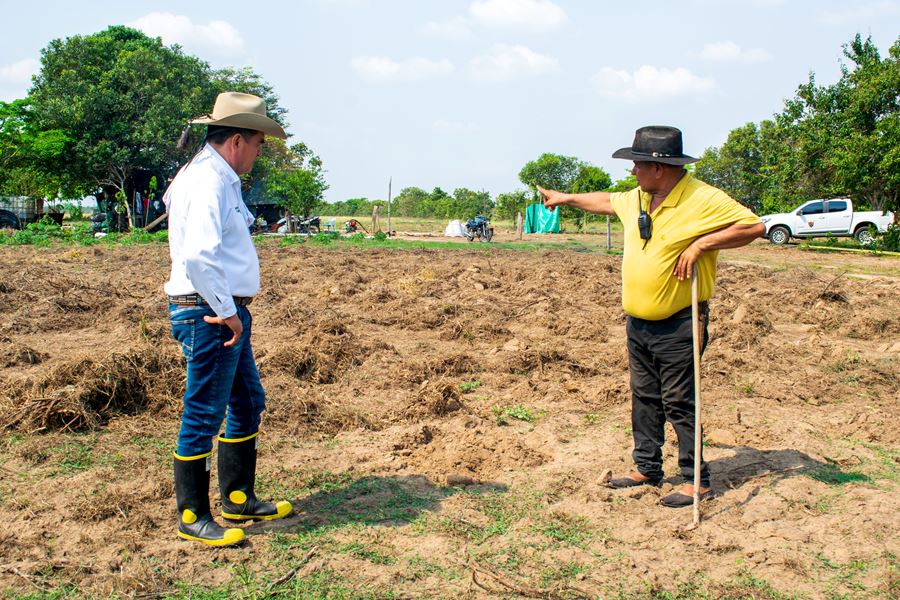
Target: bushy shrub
[[889, 241]]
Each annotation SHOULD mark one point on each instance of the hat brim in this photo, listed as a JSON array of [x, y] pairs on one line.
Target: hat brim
[[246, 121], [628, 154]]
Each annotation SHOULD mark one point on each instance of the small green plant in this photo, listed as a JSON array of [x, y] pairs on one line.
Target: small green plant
[[380, 236], [469, 386], [592, 418], [746, 388], [851, 361], [516, 411]]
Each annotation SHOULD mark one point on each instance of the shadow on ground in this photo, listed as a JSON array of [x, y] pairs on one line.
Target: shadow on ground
[[387, 501]]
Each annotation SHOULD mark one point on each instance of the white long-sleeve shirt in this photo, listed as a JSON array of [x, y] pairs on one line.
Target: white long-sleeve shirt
[[209, 237]]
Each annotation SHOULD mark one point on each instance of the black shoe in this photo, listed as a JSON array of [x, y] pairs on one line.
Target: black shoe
[[679, 500], [627, 482], [237, 474], [192, 497]]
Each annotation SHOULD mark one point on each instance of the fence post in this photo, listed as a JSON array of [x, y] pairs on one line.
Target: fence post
[[519, 225]]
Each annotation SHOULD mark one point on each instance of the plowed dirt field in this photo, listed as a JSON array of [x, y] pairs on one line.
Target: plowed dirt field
[[443, 422]]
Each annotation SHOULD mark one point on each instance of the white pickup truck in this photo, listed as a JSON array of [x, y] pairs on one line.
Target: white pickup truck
[[820, 218]]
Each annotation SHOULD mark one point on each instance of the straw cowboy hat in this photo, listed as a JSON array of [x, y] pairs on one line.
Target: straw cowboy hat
[[246, 111], [656, 143]]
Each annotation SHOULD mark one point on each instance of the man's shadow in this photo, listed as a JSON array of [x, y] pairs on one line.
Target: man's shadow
[[371, 500], [748, 465]]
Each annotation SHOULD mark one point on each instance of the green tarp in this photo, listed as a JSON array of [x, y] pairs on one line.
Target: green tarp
[[540, 220]]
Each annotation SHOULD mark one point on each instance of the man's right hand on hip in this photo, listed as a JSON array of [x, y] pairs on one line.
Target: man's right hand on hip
[[233, 323]]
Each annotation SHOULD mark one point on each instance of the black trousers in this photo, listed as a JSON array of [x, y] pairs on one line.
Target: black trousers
[[661, 358]]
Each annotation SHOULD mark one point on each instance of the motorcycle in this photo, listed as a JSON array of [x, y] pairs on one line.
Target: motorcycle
[[479, 227]]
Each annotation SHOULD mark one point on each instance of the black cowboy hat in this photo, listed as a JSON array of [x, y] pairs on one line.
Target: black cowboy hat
[[656, 143]]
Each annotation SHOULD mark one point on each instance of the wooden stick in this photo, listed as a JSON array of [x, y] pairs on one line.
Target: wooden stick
[[157, 221], [698, 443]]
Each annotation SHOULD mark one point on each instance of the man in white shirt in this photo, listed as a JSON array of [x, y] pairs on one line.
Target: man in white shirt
[[215, 275]]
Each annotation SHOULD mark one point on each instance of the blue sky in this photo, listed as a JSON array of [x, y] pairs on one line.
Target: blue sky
[[462, 93]]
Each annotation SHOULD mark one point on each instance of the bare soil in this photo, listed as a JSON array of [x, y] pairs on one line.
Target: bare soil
[[444, 421]]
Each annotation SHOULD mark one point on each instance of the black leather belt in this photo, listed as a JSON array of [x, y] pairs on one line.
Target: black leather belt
[[196, 299], [686, 313]]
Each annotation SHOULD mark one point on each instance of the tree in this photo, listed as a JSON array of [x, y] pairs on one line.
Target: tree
[[739, 166], [409, 202], [121, 98], [835, 140], [294, 177], [591, 179], [552, 171], [30, 159], [467, 203], [511, 203]]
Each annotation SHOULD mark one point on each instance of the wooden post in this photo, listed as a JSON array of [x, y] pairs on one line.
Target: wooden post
[[608, 234], [390, 181], [519, 225]]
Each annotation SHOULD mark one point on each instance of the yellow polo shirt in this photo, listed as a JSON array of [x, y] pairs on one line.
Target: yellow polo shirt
[[650, 289]]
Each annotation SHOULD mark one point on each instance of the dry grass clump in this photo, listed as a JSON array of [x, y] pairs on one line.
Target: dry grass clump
[[525, 361], [13, 354], [433, 399], [83, 394], [321, 354]]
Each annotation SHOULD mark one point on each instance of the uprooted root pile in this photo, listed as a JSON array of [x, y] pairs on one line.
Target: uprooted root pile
[[505, 370]]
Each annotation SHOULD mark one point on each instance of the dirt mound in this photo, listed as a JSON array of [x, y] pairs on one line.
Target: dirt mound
[[464, 449]]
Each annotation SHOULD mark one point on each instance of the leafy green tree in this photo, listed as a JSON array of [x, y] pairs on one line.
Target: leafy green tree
[[739, 166], [833, 140], [552, 171], [30, 159], [121, 98], [510, 204], [410, 202], [295, 178], [467, 203], [626, 184], [590, 179]]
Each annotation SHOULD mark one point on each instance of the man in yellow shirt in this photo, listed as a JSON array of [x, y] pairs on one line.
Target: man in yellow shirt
[[672, 224]]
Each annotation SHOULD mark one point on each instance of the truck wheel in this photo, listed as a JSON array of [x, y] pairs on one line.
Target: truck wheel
[[9, 220], [864, 236], [779, 235]]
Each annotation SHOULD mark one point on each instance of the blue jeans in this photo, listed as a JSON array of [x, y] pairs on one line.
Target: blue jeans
[[218, 378]]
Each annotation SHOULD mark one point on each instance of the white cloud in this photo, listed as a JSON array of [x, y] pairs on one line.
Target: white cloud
[[531, 15], [454, 127], [510, 62], [382, 69], [649, 83], [15, 78], [860, 12], [455, 29], [731, 52], [217, 38]]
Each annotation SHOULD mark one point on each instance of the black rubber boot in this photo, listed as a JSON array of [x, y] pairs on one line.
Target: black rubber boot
[[192, 496], [237, 474]]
